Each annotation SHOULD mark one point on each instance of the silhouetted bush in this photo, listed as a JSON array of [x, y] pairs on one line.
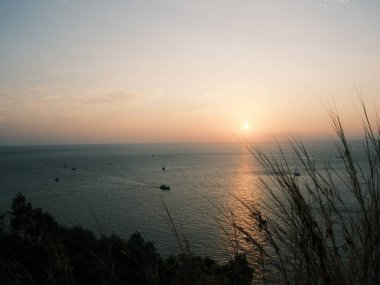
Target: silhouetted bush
[[35, 249]]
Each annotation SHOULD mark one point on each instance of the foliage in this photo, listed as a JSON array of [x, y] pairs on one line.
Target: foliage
[[322, 227], [35, 249]]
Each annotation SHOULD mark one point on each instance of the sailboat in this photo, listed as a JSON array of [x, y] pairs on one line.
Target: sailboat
[[163, 167]]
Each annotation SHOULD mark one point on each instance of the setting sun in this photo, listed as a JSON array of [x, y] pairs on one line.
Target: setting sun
[[180, 72]]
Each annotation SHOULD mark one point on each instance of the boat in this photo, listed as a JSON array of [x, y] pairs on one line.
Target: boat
[[164, 187], [56, 179], [163, 167]]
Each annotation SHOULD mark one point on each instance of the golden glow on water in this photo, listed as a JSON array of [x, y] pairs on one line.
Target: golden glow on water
[[244, 187], [243, 179]]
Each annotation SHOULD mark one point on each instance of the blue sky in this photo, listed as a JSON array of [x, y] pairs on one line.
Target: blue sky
[[79, 71]]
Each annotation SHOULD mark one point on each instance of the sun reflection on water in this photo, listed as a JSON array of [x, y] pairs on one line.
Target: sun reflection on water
[[244, 189]]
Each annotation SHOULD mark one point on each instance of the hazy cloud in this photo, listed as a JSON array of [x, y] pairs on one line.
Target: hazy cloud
[[216, 95], [330, 2], [64, 71], [107, 96], [54, 102]]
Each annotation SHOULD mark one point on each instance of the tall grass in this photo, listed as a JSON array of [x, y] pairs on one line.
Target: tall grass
[[324, 226]]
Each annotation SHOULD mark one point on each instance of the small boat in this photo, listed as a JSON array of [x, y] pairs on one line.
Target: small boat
[[163, 167], [56, 179], [164, 187]]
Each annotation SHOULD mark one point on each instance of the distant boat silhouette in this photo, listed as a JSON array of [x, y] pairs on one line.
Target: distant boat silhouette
[[163, 167], [56, 179], [164, 187]]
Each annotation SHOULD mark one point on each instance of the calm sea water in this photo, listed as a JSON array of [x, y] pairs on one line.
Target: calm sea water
[[114, 188]]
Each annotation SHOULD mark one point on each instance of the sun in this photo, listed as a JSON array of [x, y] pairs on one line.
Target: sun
[[246, 126]]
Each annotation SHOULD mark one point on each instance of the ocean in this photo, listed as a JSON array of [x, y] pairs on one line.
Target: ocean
[[114, 189]]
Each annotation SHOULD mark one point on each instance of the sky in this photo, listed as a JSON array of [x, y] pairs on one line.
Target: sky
[[119, 71]]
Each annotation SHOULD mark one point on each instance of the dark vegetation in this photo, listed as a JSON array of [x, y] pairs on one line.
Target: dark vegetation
[[320, 227], [35, 249]]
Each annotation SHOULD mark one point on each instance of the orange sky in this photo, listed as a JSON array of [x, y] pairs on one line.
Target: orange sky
[[184, 71]]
